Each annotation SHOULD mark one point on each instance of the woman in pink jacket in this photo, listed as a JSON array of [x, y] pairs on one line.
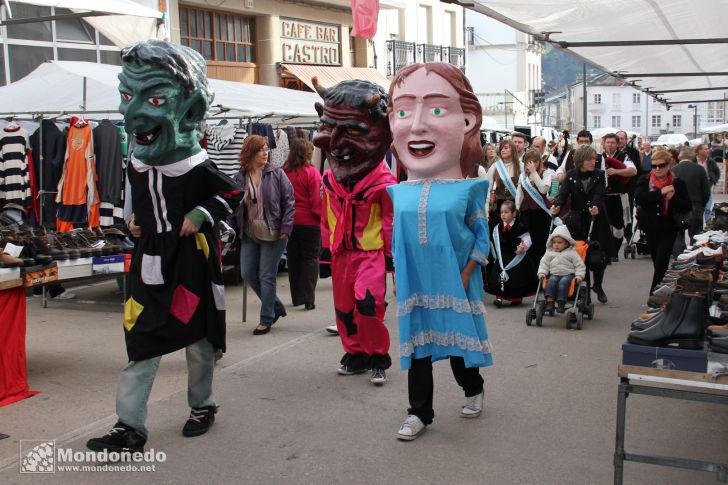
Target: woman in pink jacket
[[305, 241]]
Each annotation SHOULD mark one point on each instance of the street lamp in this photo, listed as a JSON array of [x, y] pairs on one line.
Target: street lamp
[[695, 119]]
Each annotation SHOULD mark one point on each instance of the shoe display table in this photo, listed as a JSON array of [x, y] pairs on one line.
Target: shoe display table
[[690, 386]]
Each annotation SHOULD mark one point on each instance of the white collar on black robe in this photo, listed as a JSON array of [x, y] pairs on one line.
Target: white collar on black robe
[[173, 169]]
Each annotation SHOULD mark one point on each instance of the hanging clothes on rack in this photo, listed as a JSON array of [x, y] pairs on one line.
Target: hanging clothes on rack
[[77, 196], [14, 175], [265, 130], [224, 143], [279, 154], [54, 151], [109, 171]]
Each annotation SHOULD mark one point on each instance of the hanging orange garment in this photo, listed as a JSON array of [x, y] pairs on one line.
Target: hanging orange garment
[[78, 169]]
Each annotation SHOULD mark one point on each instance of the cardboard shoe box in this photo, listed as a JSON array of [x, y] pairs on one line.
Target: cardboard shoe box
[[74, 268], [665, 358], [42, 276], [717, 363], [108, 264], [10, 278]]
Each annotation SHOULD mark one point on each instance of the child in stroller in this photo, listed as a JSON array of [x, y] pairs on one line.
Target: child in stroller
[[560, 265]]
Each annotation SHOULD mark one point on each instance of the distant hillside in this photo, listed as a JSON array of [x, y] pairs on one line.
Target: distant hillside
[[559, 69]]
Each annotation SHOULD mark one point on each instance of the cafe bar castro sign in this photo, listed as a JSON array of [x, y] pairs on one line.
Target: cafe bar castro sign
[[310, 42]]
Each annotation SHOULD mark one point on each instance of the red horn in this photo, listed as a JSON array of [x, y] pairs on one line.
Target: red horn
[[319, 89], [373, 100]]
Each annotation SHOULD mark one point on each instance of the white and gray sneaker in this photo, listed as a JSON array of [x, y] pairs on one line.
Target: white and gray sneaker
[[473, 406], [378, 377], [332, 330], [411, 428]]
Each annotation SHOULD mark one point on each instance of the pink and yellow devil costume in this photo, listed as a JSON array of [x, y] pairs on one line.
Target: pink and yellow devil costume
[[356, 220]]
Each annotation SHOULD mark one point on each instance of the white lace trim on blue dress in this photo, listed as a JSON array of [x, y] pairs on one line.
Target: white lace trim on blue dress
[[444, 339], [439, 302], [422, 213], [479, 257], [477, 215]]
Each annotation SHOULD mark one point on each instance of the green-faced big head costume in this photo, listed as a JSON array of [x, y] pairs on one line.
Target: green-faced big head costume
[[164, 98], [176, 295]]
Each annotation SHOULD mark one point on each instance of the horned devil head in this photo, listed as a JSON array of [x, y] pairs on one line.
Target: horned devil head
[[354, 128]]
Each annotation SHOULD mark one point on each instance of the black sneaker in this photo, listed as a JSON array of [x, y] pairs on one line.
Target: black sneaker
[[561, 306], [378, 377], [345, 370], [199, 421], [120, 438]]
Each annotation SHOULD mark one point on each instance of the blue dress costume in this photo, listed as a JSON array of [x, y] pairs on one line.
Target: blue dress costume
[[439, 225]]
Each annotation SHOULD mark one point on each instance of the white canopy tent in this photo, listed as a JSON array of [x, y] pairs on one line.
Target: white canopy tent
[[674, 50], [672, 139], [84, 87], [716, 129], [124, 22]]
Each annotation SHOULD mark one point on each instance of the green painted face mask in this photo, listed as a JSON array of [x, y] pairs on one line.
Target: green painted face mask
[[161, 114]]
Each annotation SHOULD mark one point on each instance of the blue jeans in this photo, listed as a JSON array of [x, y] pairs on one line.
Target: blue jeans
[[259, 268], [135, 384], [708, 211], [558, 286]]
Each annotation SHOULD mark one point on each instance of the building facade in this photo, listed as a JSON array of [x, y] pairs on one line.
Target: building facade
[[504, 66], [253, 40], [611, 104], [410, 31]]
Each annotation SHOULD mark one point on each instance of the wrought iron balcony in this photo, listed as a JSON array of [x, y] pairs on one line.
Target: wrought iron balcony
[[401, 54]]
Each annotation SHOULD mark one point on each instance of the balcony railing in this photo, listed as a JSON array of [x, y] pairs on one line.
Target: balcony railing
[[401, 54]]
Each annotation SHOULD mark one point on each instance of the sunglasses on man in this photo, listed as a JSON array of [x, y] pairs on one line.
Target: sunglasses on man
[[658, 166]]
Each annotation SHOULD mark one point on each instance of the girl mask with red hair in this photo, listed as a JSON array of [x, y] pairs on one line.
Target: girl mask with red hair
[[441, 235]]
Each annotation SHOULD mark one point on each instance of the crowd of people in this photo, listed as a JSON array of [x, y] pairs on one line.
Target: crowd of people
[[356, 222], [601, 197]]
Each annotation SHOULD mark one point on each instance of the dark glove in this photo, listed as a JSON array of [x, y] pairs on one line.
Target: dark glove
[[325, 263], [324, 270]]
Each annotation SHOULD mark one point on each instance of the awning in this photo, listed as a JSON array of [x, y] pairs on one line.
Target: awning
[[31, 94], [124, 22], [109, 7], [674, 50], [329, 76]]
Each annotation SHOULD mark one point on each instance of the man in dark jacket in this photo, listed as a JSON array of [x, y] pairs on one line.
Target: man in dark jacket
[[702, 157], [696, 179]]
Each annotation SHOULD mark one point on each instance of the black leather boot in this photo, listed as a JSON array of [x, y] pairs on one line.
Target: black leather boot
[[681, 326], [645, 324]]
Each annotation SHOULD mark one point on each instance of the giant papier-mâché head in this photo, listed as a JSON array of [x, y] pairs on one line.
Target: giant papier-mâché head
[[354, 128], [164, 99]]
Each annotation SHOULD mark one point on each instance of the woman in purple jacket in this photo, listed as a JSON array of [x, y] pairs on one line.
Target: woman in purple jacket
[[268, 196]]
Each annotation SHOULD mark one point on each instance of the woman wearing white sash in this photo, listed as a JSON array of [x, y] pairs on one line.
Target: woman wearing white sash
[[503, 176], [532, 203]]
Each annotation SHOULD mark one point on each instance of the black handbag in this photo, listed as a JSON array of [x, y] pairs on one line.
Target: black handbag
[[596, 258], [681, 220]]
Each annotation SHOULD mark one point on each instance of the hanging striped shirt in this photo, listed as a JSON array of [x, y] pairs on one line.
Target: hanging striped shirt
[[224, 150], [14, 174]]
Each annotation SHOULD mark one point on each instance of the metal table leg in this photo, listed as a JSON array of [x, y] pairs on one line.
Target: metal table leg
[[245, 301], [619, 444]]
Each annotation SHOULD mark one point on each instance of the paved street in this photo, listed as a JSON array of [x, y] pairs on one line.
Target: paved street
[[286, 417]]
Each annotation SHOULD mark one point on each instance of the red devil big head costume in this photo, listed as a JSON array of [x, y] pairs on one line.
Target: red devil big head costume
[[356, 222]]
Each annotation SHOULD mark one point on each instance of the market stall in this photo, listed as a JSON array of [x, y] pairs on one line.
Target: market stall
[[72, 103]]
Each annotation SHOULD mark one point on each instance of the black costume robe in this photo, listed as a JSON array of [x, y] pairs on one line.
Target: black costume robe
[[176, 294]]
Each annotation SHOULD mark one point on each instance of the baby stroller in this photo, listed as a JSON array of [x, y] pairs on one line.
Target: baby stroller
[[636, 245], [579, 303]]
